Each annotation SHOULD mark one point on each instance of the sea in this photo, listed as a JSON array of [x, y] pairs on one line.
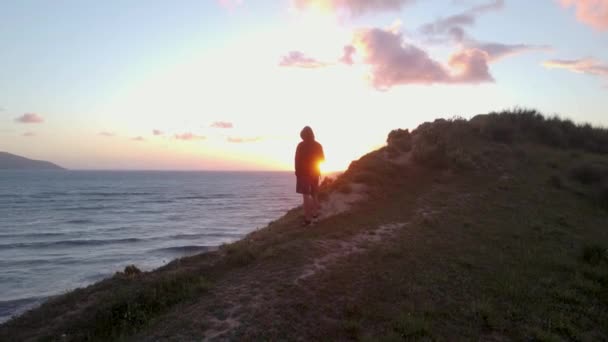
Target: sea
[[61, 230]]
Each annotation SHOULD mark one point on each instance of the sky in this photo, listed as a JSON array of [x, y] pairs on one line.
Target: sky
[[229, 84]]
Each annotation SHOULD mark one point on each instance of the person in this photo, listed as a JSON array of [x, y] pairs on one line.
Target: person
[[309, 156]]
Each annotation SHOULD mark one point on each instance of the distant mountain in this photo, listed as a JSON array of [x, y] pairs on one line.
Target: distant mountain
[[13, 162]]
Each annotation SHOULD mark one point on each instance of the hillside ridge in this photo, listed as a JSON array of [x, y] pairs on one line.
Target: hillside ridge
[[9, 161], [491, 228]]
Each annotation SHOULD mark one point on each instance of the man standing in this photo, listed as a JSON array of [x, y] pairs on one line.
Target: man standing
[[309, 156]]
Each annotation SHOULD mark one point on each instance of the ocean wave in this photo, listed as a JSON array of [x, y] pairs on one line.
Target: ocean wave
[[203, 235], [79, 221], [184, 249], [206, 197], [34, 235], [12, 307], [69, 243], [112, 194]]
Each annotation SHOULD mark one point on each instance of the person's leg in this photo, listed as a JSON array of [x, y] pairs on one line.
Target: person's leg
[[308, 207], [316, 205]]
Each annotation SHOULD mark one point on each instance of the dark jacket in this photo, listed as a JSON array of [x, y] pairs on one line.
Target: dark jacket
[[308, 156]]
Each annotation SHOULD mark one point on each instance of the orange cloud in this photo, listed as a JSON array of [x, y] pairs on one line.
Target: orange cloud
[[29, 134], [353, 7], [497, 51], [189, 137], [30, 118], [138, 139], [240, 140], [222, 124], [590, 12], [299, 60], [584, 66], [107, 134]]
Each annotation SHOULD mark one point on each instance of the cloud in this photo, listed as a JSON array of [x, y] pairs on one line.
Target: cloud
[[138, 139], [189, 137], [240, 140], [107, 134], [298, 59], [395, 62], [353, 7], [222, 124], [588, 66], [347, 57], [30, 118], [497, 51], [590, 12], [471, 66], [29, 134], [452, 27], [157, 132]]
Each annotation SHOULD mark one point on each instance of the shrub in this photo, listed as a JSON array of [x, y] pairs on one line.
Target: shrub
[[603, 196], [400, 140], [594, 254], [461, 160], [131, 308], [589, 173], [345, 189], [239, 253], [556, 181], [368, 178], [131, 270]]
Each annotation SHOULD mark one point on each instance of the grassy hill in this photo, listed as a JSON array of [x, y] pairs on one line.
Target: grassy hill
[[494, 228], [10, 161]]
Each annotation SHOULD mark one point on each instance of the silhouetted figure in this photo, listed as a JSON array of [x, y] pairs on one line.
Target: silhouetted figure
[[309, 156]]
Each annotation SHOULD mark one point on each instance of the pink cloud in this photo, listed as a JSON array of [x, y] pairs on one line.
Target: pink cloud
[[299, 60], [347, 57], [240, 140], [395, 62], [107, 134], [471, 66], [497, 51], [452, 26], [353, 7], [584, 66], [157, 132], [590, 12], [189, 137], [30, 118], [222, 124], [29, 134]]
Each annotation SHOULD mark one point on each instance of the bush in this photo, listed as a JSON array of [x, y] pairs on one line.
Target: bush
[[556, 181], [594, 254], [131, 308], [589, 173], [131, 270], [603, 196], [400, 140], [239, 253]]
